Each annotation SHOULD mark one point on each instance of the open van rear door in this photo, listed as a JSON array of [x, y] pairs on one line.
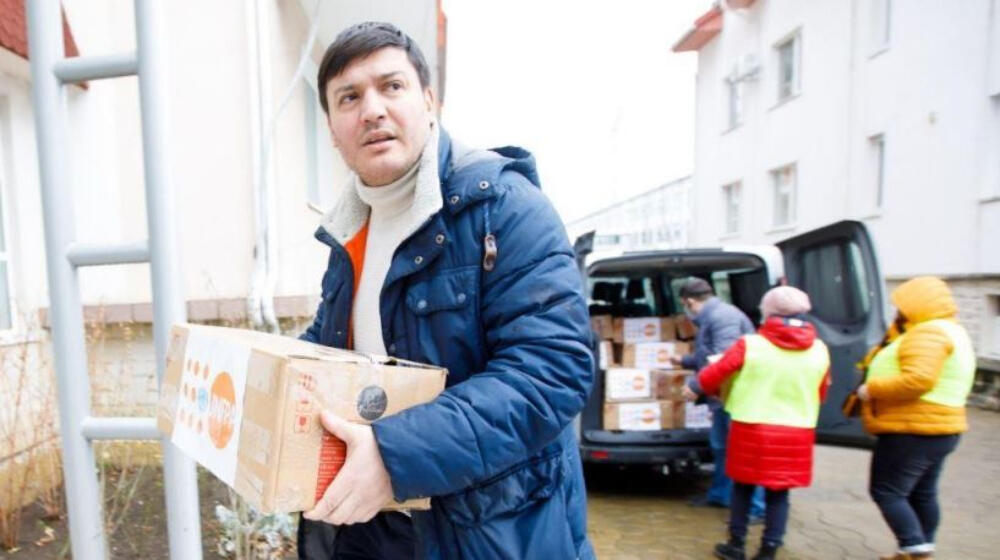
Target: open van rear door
[[837, 266]]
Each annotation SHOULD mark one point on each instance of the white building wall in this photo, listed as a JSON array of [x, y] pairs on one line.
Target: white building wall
[[927, 93], [659, 218], [932, 91], [212, 147]]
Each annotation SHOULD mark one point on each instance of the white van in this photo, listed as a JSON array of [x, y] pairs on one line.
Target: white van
[[836, 265]]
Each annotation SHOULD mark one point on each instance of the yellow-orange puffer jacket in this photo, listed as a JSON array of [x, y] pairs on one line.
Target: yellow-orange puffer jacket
[[895, 405]]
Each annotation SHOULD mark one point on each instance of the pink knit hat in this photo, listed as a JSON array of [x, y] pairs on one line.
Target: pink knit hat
[[784, 301]]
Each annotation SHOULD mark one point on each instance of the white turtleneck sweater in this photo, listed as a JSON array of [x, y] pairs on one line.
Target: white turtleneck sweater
[[389, 223]]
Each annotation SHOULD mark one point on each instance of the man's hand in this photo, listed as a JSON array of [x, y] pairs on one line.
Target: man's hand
[[676, 361], [362, 486], [688, 394], [863, 393]]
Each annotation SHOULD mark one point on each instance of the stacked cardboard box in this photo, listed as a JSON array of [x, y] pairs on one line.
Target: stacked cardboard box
[[653, 355], [644, 415], [642, 388], [686, 329], [643, 399]]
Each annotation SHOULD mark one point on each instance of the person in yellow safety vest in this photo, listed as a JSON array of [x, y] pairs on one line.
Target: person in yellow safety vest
[[776, 381], [913, 399]]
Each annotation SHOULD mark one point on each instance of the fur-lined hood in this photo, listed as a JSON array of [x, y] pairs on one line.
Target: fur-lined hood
[[451, 176]]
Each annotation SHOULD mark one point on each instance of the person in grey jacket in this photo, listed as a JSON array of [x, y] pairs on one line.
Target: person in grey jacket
[[720, 324]]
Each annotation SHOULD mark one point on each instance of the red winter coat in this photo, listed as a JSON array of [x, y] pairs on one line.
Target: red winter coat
[[773, 456]]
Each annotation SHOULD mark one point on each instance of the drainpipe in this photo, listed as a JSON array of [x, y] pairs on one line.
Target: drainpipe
[[264, 280], [259, 70]]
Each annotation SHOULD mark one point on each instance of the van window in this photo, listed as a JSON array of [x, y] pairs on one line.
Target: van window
[[834, 276], [622, 296], [720, 285]]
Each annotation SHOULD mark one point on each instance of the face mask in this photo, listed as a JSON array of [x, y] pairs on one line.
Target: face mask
[[690, 314]]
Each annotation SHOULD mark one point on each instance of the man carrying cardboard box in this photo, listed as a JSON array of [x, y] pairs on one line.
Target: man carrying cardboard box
[[448, 256], [720, 324]]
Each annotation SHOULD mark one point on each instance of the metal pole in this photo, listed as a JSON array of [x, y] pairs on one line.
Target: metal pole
[[83, 499], [81, 69], [180, 477]]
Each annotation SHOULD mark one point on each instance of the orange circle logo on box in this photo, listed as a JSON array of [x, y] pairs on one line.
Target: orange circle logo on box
[[221, 410], [649, 329], [638, 383], [662, 356], [648, 416]]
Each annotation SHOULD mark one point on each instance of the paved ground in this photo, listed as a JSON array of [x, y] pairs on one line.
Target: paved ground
[[638, 514]]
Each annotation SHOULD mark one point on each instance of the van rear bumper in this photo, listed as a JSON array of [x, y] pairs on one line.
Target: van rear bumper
[[645, 454]]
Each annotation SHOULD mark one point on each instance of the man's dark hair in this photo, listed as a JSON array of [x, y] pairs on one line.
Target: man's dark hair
[[361, 40], [696, 288]]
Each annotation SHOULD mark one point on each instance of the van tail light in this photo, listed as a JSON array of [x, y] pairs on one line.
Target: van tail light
[[599, 455]]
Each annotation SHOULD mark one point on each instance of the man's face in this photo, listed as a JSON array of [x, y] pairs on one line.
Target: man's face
[[692, 305], [379, 115]]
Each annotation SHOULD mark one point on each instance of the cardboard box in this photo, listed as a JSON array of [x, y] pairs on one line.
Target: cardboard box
[[644, 415], [603, 326], [644, 329], [623, 384], [628, 384], [653, 355], [686, 329], [245, 405], [606, 355], [669, 384], [697, 416]]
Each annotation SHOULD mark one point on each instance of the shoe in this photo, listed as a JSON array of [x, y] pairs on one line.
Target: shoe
[[909, 556], [703, 501], [766, 552], [731, 550]]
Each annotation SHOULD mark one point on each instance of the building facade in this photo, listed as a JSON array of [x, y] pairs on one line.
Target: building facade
[[248, 151], [882, 111], [658, 218]]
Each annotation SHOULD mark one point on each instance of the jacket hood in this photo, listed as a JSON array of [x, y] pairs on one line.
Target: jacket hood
[[790, 333], [463, 176], [924, 298]]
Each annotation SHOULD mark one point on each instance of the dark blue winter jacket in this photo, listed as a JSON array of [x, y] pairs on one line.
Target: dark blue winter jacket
[[496, 451]]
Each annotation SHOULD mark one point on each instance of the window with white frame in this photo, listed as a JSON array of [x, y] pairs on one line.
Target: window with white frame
[[734, 100], [732, 195], [879, 23], [789, 53], [323, 165], [877, 145], [991, 187], [6, 306], [784, 183], [991, 334]]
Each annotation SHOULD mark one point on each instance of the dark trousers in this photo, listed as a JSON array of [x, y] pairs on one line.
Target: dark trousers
[[904, 476], [775, 513], [388, 536]]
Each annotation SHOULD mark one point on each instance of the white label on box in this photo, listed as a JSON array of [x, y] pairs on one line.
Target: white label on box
[[697, 416], [603, 358], [627, 383], [655, 355], [645, 329], [639, 416], [210, 408]]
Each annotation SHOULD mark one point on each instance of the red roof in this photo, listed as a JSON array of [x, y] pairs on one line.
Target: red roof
[[707, 26], [705, 29], [14, 29]]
